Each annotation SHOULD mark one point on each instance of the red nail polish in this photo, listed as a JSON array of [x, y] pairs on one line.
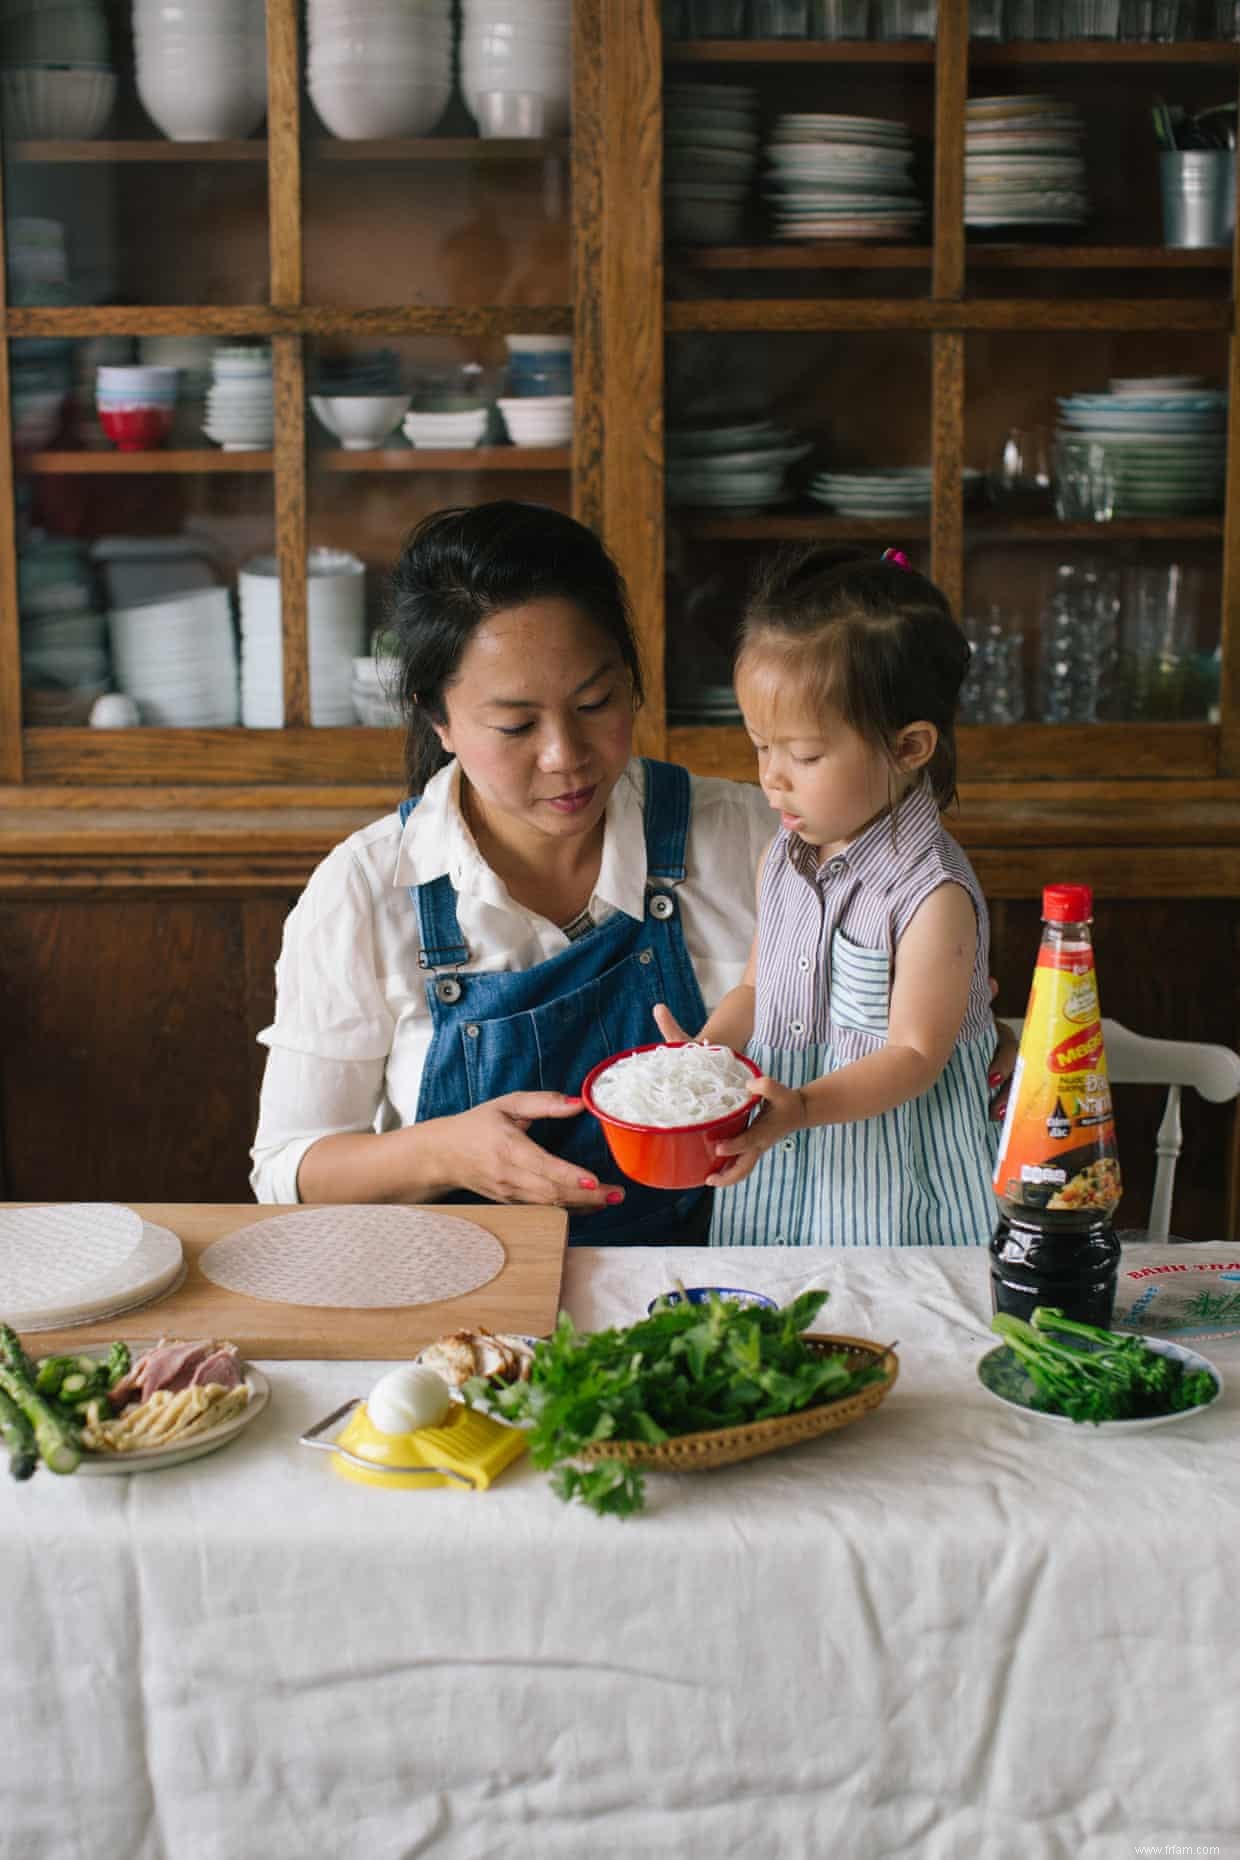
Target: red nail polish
[[993, 1078], [587, 1181], [614, 1197]]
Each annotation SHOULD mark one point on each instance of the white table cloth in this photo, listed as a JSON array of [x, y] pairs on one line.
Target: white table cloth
[[946, 1632]]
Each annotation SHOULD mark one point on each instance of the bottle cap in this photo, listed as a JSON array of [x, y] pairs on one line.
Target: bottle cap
[[1067, 904]]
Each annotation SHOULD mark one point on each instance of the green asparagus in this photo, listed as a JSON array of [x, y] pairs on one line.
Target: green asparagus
[[55, 1437], [18, 1436]]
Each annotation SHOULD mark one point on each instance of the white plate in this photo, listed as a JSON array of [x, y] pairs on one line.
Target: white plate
[[1011, 1386], [152, 1459]]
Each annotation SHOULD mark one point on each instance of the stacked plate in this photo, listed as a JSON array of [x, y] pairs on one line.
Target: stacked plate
[[1023, 164], [1164, 449], [743, 466], [515, 48], [177, 659], [841, 177], [240, 401], [335, 602], [372, 691], [383, 69], [538, 419], [64, 644], [883, 491], [710, 155]]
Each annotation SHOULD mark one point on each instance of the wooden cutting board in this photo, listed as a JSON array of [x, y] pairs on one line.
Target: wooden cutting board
[[525, 1295]]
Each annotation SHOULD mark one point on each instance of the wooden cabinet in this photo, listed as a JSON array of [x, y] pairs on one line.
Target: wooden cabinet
[[144, 871]]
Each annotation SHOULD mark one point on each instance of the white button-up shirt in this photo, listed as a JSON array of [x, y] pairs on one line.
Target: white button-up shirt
[[353, 1026]]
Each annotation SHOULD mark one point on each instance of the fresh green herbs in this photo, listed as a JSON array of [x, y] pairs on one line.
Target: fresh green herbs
[[682, 1369], [1092, 1375]]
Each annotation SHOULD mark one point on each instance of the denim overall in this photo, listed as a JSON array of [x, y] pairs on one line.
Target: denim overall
[[542, 1029]]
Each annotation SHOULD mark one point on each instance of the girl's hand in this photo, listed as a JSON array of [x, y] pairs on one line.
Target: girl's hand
[[1002, 1062], [783, 1112], [671, 1029], [487, 1151]]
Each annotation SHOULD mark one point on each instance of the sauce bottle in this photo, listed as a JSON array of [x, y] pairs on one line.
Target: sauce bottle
[[1057, 1176]]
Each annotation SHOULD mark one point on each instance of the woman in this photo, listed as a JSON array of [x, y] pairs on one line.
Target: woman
[[454, 970]]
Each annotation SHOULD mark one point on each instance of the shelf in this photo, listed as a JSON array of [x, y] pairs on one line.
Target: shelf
[[790, 257], [108, 464], [235, 320], [858, 256], [476, 458], [985, 52], [1011, 753], [982, 52], [1098, 257], [320, 148], [798, 51], [805, 526], [825, 315]]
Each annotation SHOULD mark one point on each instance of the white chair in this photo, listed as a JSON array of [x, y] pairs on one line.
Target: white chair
[[1212, 1071]]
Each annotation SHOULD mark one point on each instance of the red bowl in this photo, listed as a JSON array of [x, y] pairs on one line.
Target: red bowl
[[136, 429], [666, 1155]]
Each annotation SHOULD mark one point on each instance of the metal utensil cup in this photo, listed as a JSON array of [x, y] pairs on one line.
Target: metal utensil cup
[[1198, 196]]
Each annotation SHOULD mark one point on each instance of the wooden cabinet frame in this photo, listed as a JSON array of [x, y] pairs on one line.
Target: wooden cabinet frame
[[1173, 786]]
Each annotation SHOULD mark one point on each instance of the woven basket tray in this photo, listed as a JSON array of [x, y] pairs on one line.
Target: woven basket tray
[[725, 1446]]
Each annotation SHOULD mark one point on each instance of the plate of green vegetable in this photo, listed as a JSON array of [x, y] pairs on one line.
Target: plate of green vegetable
[[1054, 1369]]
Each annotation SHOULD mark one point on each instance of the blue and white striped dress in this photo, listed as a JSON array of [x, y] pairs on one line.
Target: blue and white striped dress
[[917, 1175]]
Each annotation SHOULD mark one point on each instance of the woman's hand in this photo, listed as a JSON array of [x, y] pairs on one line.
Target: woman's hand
[[1002, 1062], [783, 1112], [487, 1151], [671, 1029]]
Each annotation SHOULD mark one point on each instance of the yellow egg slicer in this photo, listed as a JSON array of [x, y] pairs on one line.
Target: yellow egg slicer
[[468, 1449]]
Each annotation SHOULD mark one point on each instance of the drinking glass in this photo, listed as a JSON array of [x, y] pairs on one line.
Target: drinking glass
[[839, 19], [1033, 19], [778, 19], [1019, 478], [907, 19], [715, 19], [1158, 640], [994, 686], [1078, 644], [1227, 19], [1085, 481], [985, 19]]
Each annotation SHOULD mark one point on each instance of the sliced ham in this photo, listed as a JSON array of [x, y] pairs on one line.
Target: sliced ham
[[175, 1363]]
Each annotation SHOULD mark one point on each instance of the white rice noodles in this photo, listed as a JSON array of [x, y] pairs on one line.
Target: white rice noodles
[[671, 1085]]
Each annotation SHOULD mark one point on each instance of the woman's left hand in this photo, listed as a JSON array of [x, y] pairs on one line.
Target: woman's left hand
[[782, 1113]]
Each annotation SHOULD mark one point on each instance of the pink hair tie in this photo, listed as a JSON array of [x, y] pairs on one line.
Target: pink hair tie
[[898, 559]]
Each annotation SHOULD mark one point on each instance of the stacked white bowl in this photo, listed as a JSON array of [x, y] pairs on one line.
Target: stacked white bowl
[[374, 700], [240, 401], [515, 47], [201, 66], [177, 659], [538, 419], [336, 608], [379, 67], [56, 79], [443, 426]]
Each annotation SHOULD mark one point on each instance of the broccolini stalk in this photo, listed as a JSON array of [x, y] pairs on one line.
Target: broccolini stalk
[[118, 1363]]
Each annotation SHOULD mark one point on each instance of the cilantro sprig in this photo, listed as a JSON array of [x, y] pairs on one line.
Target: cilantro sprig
[[682, 1369]]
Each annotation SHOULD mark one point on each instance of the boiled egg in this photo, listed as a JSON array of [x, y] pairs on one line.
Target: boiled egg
[[408, 1398]]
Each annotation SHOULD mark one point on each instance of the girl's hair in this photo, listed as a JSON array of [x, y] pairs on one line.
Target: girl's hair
[[461, 566], [874, 639]]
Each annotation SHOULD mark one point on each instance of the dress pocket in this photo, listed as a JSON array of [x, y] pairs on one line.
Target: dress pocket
[[860, 986]]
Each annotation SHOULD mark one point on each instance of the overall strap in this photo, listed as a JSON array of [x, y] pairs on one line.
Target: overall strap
[[442, 944], [667, 820]]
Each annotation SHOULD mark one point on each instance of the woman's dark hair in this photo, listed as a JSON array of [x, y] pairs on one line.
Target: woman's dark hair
[[461, 566], [872, 638]]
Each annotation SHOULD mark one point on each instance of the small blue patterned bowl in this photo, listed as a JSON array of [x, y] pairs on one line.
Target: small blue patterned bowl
[[698, 1295]]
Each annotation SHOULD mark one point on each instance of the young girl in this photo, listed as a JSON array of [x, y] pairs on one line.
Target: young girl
[[865, 1000]]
